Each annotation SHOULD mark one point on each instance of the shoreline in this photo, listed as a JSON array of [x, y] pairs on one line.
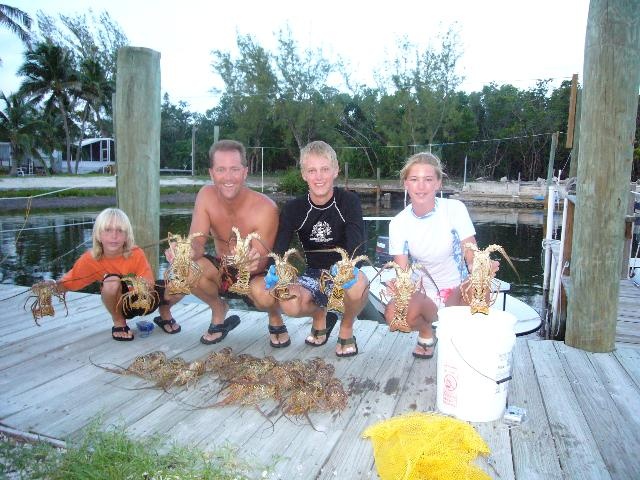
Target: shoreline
[[488, 194], [188, 198]]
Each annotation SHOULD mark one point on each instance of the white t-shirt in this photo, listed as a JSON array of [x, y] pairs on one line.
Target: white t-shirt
[[434, 241]]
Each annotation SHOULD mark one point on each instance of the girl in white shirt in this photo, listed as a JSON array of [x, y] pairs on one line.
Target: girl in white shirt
[[433, 232]]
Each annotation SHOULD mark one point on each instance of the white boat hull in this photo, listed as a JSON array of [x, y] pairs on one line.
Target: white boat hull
[[528, 320]]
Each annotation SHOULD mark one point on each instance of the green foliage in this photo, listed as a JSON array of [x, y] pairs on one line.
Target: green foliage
[[113, 455], [277, 101], [291, 182]]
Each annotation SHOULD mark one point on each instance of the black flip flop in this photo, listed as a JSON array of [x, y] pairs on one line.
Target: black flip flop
[[425, 346], [121, 329], [346, 342], [163, 323], [279, 330], [331, 320], [229, 324]]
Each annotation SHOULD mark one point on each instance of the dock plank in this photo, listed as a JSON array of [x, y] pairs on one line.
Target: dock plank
[[600, 412], [534, 450], [49, 386], [578, 452]]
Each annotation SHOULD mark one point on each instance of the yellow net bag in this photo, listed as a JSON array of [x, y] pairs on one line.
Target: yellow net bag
[[419, 446]]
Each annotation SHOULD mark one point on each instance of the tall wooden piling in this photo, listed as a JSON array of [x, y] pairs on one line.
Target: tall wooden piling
[[137, 127], [607, 129]]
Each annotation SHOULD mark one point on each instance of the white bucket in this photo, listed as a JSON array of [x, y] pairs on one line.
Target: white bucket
[[474, 362]]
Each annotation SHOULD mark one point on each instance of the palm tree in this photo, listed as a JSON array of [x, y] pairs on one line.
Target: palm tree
[[17, 21], [96, 91], [51, 78], [20, 126]]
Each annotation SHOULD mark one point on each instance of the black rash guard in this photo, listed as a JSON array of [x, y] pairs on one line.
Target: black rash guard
[[337, 223]]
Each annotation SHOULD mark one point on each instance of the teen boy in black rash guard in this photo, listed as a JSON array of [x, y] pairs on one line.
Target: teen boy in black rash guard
[[326, 217]]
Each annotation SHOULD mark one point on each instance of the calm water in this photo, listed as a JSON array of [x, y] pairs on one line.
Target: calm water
[[49, 243]]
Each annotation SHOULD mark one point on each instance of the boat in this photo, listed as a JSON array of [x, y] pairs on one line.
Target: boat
[[528, 319]]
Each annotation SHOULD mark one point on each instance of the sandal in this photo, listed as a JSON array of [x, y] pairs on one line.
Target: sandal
[[224, 328], [426, 346], [278, 330], [124, 329], [163, 323], [331, 321], [347, 341]]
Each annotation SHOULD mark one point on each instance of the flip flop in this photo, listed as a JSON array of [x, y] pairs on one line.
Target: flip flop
[[331, 321], [425, 346], [229, 324], [163, 323], [125, 329], [279, 330], [347, 341]]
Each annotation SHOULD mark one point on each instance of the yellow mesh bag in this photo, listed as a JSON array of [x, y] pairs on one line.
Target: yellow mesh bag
[[419, 446]]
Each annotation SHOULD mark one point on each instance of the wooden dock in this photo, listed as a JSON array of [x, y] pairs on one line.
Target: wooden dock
[[582, 408]]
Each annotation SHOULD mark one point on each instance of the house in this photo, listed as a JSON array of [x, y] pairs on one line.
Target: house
[[98, 155]]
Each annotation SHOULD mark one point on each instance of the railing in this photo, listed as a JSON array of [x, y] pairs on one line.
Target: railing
[[557, 259]]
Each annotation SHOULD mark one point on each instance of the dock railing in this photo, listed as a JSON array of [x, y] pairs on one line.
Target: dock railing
[[557, 256]]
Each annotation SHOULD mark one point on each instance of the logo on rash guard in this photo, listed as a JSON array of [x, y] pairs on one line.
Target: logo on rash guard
[[321, 232]]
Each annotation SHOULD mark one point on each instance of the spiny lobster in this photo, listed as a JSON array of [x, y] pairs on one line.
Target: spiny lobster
[[183, 273]]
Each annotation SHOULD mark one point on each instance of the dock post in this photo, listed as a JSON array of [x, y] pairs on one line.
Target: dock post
[[378, 188], [548, 256], [138, 145], [607, 129], [346, 176]]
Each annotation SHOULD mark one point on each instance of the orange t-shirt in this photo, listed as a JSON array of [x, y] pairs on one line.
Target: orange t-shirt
[[87, 269]]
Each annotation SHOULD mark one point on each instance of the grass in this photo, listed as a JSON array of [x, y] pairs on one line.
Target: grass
[[112, 455]]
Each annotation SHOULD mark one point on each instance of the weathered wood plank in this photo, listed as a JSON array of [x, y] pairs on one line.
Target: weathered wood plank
[[419, 391], [107, 388], [374, 407], [305, 450], [603, 418], [534, 451], [629, 358], [623, 390], [578, 452], [52, 389]]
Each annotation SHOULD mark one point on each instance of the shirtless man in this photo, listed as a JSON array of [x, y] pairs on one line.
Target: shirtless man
[[219, 207], [326, 217]]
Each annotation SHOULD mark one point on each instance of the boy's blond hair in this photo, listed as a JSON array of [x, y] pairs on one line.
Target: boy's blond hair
[[107, 218], [321, 149]]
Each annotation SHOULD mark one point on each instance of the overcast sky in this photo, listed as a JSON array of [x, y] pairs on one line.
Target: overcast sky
[[504, 41]]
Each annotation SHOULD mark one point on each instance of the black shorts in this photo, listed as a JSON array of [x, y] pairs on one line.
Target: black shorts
[[228, 276]]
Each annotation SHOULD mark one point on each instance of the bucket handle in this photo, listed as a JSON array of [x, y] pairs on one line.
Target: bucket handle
[[498, 382]]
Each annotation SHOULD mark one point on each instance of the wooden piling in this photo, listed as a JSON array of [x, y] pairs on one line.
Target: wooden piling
[[607, 130], [137, 128]]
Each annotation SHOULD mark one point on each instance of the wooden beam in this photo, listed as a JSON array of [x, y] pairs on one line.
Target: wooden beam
[[571, 123], [137, 129], [607, 126]]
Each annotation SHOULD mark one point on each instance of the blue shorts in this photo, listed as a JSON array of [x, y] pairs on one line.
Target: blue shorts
[[310, 280]]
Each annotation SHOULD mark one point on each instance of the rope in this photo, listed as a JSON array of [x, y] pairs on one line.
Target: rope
[[46, 227], [47, 193]]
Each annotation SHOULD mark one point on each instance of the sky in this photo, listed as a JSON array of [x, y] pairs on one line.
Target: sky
[[502, 41]]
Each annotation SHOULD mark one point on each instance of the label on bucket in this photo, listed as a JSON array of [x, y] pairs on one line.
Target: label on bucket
[[503, 370], [450, 386]]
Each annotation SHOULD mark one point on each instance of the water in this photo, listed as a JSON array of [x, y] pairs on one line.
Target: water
[[50, 243]]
